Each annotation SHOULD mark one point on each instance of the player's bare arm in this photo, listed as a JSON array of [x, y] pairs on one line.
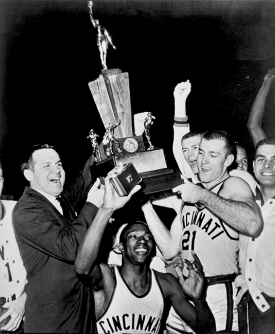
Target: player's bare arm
[[181, 92], [198, 317], [235, 205], [103, 284], [89, 247], [168, 243]]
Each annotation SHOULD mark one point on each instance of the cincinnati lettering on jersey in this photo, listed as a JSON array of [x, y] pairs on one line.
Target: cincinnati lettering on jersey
[[130, 322], [2, 253], [197, 217]]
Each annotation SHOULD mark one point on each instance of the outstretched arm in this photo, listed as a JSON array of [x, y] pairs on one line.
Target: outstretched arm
[[89, 247], [167, 242], [235, 205], [254, 123]]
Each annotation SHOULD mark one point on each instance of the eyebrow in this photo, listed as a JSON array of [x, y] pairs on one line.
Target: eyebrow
[[191, 146], [50, 162], [216, 152], [263, 156]]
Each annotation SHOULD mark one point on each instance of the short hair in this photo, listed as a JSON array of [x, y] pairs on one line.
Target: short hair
[[29, 162], [222, 135], [190, 135], [123, 233], [241, 147], [266, 141]]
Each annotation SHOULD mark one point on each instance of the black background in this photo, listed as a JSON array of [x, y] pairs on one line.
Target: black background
[[49, 54]]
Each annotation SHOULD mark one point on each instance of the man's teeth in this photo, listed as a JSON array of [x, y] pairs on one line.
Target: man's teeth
[[141, 250]]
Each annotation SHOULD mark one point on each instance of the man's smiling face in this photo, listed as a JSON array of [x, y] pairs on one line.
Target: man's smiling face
[[47, 174], [264, 165], [139, 244], [190, 149], [212, 161]]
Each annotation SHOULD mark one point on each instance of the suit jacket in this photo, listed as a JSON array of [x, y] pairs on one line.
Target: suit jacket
[[57, 301]]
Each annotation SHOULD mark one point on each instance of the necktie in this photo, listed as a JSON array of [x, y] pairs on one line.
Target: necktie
[[65, 209]]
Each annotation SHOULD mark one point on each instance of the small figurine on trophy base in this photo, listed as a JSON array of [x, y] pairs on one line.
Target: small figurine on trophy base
[[149, 120], [110, 142], [93, 138]]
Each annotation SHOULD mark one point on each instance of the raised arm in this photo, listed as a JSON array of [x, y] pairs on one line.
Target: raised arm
[[89, 247], [254, 123], [235, 205], [181, 125]]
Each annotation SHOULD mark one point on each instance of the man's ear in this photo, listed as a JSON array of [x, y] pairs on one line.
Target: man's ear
[[28, 174], [229, 160], [121, 247], [254, 167]]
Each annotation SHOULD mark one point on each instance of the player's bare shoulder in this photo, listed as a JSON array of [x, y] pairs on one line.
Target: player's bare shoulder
[[235, 186], [167, 281]]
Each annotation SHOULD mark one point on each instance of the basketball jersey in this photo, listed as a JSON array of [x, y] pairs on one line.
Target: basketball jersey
[[129, 313], [12, 270], [215, 243]]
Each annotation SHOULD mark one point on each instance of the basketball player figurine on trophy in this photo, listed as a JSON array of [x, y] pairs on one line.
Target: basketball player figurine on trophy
[[93, 138], [103, 37], [109, 139], [149, 120]]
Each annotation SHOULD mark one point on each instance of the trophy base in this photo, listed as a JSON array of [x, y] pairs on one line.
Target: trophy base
[[145, 161], [162, 180]]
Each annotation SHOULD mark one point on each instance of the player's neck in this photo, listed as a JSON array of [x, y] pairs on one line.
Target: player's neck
[[212, 184], [137, 278]]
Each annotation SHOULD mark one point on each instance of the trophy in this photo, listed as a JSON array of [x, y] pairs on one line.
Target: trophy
[[121, 141]]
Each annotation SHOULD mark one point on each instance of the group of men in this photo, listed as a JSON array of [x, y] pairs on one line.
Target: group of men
[[66, 289], [221, 244], [229, 230]]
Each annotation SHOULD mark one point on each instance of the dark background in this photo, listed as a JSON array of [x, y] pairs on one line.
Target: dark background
[[48, 55]]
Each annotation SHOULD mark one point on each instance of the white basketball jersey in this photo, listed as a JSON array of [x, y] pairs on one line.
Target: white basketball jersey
[[215, 243], [12, 270], [128, 313]]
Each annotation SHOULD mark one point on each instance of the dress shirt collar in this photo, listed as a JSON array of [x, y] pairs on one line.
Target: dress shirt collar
[[259, 196], [51, 198]]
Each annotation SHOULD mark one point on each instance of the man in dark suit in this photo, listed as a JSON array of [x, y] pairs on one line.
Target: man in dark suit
[[49, 233]]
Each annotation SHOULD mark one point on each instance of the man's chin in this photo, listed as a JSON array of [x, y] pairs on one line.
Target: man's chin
[[57, 191]]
